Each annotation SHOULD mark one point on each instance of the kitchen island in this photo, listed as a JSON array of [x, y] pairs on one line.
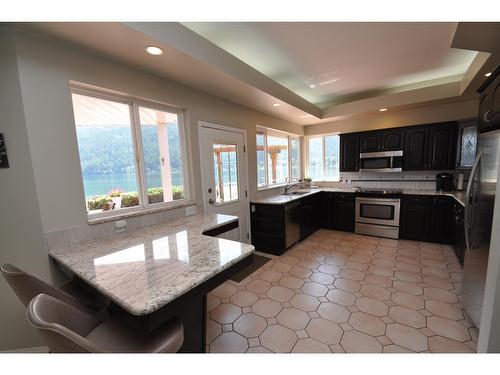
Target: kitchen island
[[152, 274]]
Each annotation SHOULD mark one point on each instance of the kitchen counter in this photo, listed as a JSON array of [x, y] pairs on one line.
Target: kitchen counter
[[284, 199], [146, 269]]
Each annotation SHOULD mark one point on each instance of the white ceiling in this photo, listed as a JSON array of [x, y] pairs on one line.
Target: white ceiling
[[342, 59]]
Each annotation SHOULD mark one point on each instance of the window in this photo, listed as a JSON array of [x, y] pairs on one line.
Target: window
[[278, 158], [323, 156], [225, 172], [468, 146], [132, 153]]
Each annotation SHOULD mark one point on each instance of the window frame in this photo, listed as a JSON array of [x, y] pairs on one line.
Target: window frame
[[268, 131], [306, 146], [135, 128]]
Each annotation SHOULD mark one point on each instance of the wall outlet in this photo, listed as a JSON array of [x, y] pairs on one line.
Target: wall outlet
[[191, 210], [120, 226]]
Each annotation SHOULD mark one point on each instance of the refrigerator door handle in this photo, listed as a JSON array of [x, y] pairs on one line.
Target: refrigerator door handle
[[467, 210]]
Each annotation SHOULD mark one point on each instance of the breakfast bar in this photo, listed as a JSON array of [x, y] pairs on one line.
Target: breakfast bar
[[155, 273]]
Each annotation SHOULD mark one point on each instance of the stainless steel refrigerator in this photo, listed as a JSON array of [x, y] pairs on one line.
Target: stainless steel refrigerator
[[478, 217]]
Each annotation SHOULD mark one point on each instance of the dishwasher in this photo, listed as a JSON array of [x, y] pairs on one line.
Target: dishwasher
[[292, 223]]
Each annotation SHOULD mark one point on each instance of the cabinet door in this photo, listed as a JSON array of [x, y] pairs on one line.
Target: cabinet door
[[442, 146], [370, 142], [494, 117], [415, 220], [349, 153], [441, 223], [393, 139], [343, 212], [415, 155], [325, 206]]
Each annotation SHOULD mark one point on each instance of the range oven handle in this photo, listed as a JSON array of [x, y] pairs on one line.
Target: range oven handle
[[378, 200], [467, 211]]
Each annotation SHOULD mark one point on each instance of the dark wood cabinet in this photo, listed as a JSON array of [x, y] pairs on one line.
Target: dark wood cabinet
[[442, 146], [349, 152], [442, 218], [415, 154], [392, 139], [370, 141], [268, 227], [342, 213], [309, 220], [489, 102], [415, 217], [325, 210]]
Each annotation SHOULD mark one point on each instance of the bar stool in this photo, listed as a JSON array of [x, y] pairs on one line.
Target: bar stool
[[68, 329]]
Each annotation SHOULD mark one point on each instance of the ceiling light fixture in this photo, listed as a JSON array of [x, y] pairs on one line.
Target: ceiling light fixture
[[276, 104], [329, 81], [312, 86], [382, 109], [487, 74], [153, 50]]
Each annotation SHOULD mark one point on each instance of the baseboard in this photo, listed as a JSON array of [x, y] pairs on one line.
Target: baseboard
[[34, 349]]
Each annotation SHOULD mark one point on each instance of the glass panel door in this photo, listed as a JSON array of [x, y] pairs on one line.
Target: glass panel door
[[225, 157]]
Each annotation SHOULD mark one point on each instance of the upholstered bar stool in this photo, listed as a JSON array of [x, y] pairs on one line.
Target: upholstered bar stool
[[27, 286], [68, 329]]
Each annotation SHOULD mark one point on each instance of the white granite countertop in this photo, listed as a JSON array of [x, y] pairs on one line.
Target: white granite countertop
[[283, 199], [145, 269]]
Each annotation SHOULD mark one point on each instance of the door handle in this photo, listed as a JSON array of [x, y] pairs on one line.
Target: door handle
[[468, 201], [211, 201]]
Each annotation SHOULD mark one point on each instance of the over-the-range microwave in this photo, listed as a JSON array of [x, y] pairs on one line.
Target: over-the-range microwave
[[384, 161]]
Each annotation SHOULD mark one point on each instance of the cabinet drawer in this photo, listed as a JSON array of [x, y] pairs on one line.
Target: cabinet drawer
[[417, 199]]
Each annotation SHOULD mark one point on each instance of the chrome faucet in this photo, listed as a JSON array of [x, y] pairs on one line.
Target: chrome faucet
[[291, 185]]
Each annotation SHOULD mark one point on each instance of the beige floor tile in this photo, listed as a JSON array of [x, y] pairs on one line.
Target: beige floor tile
[[407, 300], [253, 342], [212, 302], [408, 287], [358, 342], [371, 306], [281, 267], [380, 262], [448, 328], [329, 268], [214, 329], [440, 295], [322, 278], [301, 272], [375, 292], [444, 310], [278, 339], [407, 267], [309, 345], [324, 330], [367, 323], [225, 290], [293, 318], [266, 308], [309, 264], [352, 275], [304, 302], [382, 281], [280, 293], [439, 344], [291, 282], [334, 312], [380, 271], [250, 325], [314, 289], [437, 282], [270, 276], [408, 276], [396, 349], [226, 313], [406, 337], [347, 285], [244, 298], [407, 316], [441, 274], [356, 266], [341, 297], [258, 286], [229, 342]]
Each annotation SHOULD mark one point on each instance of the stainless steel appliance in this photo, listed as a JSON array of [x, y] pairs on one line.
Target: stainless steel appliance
[[478, 217], [377, 213], [385, 161], [292, 223]]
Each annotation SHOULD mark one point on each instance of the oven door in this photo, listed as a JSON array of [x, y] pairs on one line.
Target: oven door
[[381, 211]]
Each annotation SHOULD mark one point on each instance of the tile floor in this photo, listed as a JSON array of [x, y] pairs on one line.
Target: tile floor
[[341, 292]]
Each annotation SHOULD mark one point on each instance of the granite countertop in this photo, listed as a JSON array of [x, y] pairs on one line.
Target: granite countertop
[[145, 269], [283, 199]]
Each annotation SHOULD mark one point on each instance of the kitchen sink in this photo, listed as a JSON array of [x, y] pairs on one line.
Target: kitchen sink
[[297, 193]]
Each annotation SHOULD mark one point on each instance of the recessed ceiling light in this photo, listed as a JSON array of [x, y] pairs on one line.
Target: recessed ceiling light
[[312, 86], [382, 109], [487, 74], [329, 81], [153, 50], [276, 104]]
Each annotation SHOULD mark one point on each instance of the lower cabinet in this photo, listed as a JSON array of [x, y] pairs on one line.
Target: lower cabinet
[[309, 218], [342, 212], [427, 218]]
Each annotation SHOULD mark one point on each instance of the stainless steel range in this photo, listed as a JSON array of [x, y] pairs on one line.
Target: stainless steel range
[[377, 212]]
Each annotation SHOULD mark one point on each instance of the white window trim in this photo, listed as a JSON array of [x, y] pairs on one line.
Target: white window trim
[[306, 151], [289, 136], [134, 103]]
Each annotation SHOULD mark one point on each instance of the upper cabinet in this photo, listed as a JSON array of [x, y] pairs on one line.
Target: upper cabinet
[[442, 146], [370, 141], [349, 152], [393, 139], [415, 153], [489, 102]]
